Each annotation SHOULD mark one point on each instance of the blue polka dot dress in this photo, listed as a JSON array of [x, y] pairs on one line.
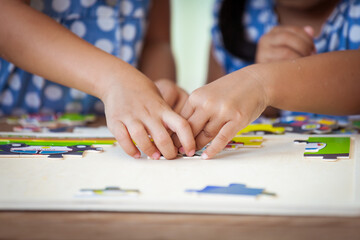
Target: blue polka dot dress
[[340, 32], [115, 26]]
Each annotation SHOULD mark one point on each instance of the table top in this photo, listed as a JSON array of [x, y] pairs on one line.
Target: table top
[[102, 225]]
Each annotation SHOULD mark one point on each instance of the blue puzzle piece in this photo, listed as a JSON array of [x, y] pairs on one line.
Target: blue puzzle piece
[[232, 189]]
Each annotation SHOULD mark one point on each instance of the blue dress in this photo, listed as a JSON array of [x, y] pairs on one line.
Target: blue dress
[[341, 31], [115, 26]]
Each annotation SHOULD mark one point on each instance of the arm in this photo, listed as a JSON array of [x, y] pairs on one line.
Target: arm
[[157, 61], [325, 83], [40, 45]]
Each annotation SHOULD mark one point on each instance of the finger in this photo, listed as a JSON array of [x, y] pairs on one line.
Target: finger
[[162, 139], [208, 133], [183, 132], [198, 121], [300, 32], [141, 138], [310, 31], [122, 136], [187, 110], [227, 132], [281, 53], [182, 97], [306, 34], [294, 41]]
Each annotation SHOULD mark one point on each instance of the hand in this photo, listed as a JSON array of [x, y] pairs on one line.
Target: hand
[[173, 95], [285, 43], [134, 110], [217, 111]]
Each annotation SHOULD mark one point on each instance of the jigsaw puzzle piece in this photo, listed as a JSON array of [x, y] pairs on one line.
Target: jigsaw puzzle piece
[[232, 189], [327, 148], [106, 192]]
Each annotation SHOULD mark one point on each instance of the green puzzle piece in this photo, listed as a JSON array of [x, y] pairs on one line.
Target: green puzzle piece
[[328, 148]]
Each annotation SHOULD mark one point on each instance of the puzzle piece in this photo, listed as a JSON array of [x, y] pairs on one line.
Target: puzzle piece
[[233, 189], [327, 148], [106, 192], [24, 150], [261, 129], [240, 142]]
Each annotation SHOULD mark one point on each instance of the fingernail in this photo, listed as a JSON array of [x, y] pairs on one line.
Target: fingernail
[[204, 156], [191, 153], [156, 156], [309, 30], [138, 155], [181, 150]]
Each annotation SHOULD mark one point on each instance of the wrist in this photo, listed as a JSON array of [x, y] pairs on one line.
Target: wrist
[[261, 74]]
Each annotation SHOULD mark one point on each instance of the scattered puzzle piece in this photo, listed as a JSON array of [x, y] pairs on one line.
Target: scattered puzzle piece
[[233, 189], [24, 150], [49, 122], [240, 142], [106, 192], [327, 148], [306, 125]]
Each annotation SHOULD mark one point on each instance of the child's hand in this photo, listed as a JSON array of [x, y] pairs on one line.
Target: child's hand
[[172, 94], [285, 43], [135, 110], [217, 111]]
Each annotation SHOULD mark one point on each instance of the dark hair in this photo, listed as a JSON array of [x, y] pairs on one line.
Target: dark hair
[[233, 32]]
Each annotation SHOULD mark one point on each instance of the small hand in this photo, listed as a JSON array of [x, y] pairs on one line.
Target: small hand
[[285, 43], [134, 110], [172, 94], [217, 111]]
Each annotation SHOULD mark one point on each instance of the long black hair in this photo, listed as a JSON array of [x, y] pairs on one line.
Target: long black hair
[[233, 31]]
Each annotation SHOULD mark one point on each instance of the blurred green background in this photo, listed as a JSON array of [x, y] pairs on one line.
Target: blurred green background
[[191, 23]]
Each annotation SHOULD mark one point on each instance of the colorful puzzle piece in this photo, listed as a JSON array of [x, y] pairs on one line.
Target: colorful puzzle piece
[[307, 125], [261, 129], [51, 141], [24, 150], [233, 189], [22, 146], [49, 122], [327, 148], [106, 192]]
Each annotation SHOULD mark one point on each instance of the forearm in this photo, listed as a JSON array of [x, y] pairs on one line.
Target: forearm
[[157, 61], [326, 83], [40, 45]]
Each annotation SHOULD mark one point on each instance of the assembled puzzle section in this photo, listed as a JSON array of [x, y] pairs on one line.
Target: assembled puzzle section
[[51, 147], [49, 122], [327, 148]]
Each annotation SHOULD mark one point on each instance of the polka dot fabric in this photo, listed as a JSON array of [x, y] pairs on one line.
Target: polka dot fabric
[[115, 26], [340, 32]]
